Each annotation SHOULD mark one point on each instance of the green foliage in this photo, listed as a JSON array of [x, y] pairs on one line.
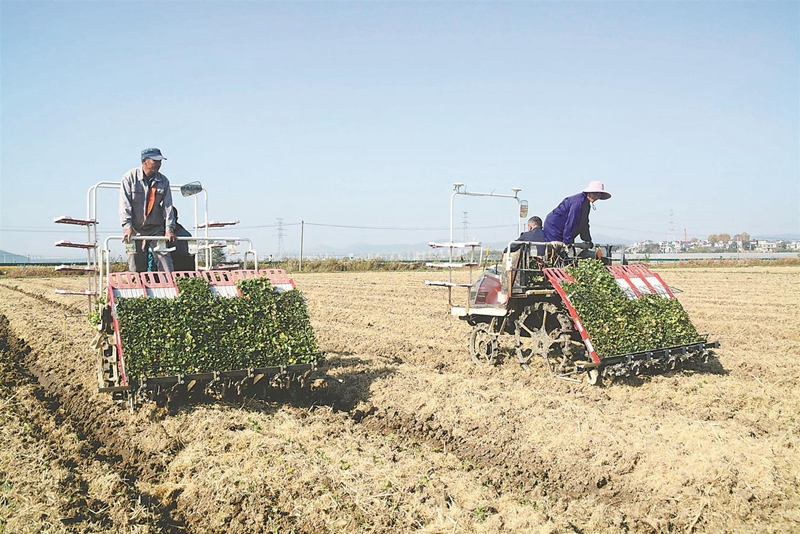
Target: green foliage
[[218, 256], [93, 318], [198, 332], [619, 325]]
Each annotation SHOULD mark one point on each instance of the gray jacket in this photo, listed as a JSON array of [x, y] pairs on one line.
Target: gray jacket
[[133, 202]]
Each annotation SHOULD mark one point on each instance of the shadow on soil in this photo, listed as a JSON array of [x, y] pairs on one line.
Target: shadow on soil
[[711, 367], [341, 384]]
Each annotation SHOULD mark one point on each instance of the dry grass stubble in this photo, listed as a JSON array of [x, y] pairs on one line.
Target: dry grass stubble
[[690, 450], [50, 477], [428, 441], [261, 467]]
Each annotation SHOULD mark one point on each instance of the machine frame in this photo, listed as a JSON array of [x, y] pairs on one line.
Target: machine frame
[[522, 297]]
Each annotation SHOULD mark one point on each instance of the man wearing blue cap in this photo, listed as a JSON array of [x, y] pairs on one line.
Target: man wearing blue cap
[[145, 208]]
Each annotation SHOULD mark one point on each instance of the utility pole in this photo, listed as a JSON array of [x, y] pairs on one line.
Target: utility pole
[[302, 232]]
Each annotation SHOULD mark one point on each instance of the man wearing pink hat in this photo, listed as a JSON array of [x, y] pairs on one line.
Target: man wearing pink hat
[[571, 218]]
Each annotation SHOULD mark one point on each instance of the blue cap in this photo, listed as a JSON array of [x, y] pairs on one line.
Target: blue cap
[[152, 153]]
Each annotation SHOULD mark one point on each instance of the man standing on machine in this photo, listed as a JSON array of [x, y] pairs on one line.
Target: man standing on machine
[[145, 209]]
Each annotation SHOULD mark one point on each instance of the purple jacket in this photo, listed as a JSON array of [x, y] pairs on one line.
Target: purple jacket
[[569, 219]]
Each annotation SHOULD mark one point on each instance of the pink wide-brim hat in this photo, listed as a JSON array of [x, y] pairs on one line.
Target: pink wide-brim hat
[[598, 187]]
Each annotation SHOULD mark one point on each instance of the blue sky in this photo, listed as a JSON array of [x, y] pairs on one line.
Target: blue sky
[[363, 114]]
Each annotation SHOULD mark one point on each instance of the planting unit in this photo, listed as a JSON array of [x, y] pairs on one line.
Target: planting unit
[[534, 301], [261, 342], [188, 372]]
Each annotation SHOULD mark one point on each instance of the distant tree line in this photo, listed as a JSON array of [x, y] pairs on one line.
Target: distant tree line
[[744, 237]]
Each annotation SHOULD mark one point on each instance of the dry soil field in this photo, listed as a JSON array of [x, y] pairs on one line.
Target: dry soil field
[[411, 436]]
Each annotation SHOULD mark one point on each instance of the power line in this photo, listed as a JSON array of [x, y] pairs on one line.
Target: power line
[[24, 229], [268, 225], [43, 230], [404, 229], [407, 229], [34, 230], [635, 230]]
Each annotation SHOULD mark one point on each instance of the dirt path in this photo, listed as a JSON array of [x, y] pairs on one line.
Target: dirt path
[[416, 437]]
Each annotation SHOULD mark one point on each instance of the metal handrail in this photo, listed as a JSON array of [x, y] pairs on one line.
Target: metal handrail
[[105, 253]]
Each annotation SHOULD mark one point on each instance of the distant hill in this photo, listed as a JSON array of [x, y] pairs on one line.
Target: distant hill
[[777, 237], [8, 257]]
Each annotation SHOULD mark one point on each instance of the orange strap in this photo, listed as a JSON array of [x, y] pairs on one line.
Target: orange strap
[[151, 199]]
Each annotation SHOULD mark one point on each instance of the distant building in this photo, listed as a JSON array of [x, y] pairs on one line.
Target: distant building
[[762, 245]]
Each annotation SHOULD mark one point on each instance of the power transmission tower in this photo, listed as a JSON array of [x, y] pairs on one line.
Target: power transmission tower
[[280, 238], [671, 226], [466, 225]]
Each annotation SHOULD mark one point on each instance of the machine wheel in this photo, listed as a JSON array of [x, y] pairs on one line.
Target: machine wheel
[[543, 341], [483, 345], [552, 330], [524, 354], [552, 337]]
